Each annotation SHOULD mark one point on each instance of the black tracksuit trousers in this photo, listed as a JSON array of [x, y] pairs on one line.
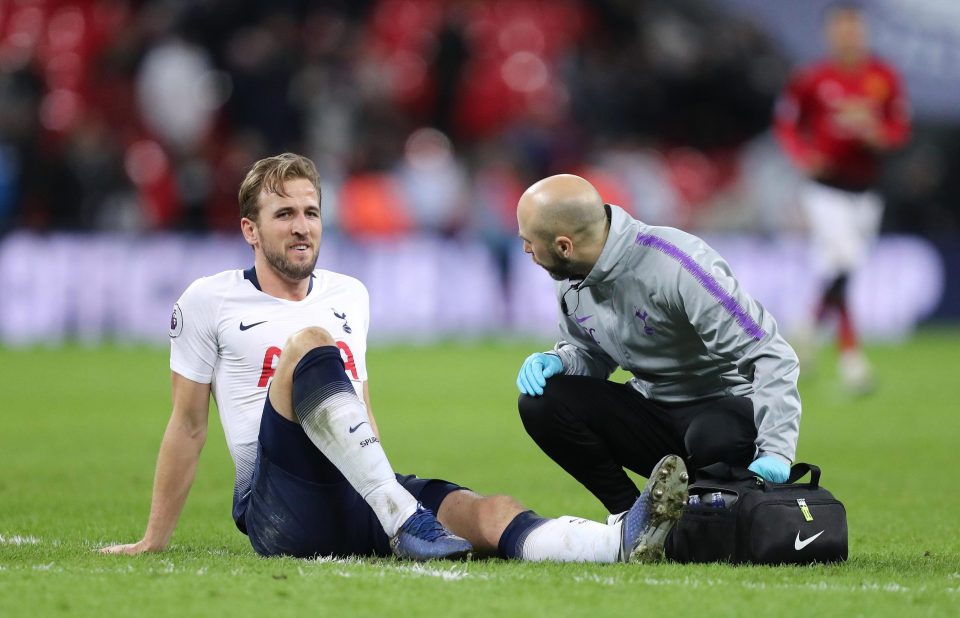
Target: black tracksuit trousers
[[595, 428]]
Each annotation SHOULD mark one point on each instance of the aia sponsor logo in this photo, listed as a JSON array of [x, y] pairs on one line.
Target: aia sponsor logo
[[272, 356]]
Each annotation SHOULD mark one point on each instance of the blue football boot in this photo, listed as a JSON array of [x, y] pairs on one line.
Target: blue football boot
[[646, 524], [422, 537]]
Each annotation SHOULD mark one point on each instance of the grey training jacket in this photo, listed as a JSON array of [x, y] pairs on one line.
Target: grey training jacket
[[663, 305]]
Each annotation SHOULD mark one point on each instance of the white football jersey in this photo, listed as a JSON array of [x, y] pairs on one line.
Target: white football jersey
[[227, 333]]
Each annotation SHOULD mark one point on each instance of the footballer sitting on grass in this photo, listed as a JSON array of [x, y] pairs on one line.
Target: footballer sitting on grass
[[282, 347]]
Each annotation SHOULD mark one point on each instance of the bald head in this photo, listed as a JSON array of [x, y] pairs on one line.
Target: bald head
[[563, 205], [565, 213]]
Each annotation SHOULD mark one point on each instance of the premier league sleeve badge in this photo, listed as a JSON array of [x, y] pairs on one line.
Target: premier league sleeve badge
[[176, 322]]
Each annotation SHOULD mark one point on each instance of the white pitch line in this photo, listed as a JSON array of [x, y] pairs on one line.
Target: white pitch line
[[463, 571], [421, 570], [593, 578], [821, 586], [18, 540]]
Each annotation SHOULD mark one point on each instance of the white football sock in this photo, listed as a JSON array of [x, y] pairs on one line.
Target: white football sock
[[337, 423], [572, 539]]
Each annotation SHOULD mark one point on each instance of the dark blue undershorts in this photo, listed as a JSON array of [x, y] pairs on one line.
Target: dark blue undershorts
[[301, 505]]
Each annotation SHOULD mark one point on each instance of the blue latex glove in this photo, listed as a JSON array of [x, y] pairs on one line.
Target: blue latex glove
[[535, 371], [770, 468]]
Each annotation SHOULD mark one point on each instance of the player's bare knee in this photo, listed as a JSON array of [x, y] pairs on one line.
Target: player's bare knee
[[503, 506], [495, 513], [305, 340]]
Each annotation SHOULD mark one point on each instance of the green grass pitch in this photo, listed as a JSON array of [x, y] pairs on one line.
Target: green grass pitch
[[80, 427]]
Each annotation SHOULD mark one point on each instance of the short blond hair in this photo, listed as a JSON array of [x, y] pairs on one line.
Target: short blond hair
[[269, 175]]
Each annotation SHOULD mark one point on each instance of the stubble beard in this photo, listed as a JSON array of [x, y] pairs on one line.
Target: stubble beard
[[561, 269], [286, 268]]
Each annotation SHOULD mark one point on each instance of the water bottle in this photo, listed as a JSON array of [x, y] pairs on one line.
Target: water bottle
[[714, 499], [718, 499]]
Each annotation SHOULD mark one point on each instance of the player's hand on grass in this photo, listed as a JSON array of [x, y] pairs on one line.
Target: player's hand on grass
[[535, 371], [129, 549], [770, 468]]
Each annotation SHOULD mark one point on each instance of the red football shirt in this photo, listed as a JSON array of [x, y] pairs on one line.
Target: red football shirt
[[821, 114]]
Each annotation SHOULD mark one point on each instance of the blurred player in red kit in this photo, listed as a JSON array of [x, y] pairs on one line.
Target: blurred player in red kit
[[835, 120]]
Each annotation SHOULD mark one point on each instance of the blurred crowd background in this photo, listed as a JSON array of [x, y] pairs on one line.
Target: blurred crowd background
[[434, 115]]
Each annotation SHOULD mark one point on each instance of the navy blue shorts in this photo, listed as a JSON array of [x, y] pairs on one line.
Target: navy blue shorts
[[300, 505]]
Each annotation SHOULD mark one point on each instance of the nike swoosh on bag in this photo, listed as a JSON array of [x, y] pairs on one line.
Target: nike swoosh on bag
[[246, 326], [798, 544]]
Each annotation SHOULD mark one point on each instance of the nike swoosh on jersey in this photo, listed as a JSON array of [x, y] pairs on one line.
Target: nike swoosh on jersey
[[798, 544], [247, 326], [357, 426]]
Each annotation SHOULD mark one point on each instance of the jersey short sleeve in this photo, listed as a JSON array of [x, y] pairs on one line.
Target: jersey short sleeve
[[193, 333], [362, 296]]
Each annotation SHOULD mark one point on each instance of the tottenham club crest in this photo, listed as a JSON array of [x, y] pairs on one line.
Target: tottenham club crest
[[643, 316], [176, 322], [342, 316]]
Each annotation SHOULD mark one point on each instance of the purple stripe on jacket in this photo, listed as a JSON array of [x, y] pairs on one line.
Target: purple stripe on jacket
[[710, 284]]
